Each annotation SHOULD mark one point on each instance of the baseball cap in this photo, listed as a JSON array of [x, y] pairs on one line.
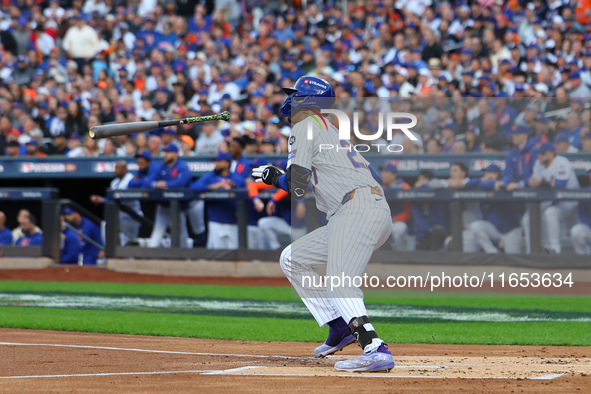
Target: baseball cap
[[561, 137], [32, 142], [546, 147], [574, 75], [520, 129], [389, 165], [434, 63], [188, 140], [169, 131], [541, 118], [13, 143], [171, 148], [68, 211], [451, 126], [474, 129], [144, 154], [224, 156], [493, 168]]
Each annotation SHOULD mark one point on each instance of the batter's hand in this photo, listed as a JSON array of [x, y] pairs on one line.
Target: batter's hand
[[267, 174]]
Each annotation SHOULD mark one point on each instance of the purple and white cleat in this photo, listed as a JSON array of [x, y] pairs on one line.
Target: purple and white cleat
[[326, 350], [380, 360]]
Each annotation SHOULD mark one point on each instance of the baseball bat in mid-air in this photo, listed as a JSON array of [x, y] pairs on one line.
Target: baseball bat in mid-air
[[115, 129]]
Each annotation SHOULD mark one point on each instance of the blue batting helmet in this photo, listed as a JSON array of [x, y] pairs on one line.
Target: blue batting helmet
[[308, 92]]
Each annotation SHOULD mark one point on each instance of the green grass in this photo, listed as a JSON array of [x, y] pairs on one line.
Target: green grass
[[305, 329]]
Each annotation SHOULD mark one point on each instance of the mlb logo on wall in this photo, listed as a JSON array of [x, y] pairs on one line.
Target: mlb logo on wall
[[305, 81]]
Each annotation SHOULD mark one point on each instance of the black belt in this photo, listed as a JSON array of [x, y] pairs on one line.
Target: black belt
[[349, 196]]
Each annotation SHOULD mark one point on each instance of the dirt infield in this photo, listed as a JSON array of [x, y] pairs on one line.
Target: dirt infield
[[93, 274], [52, 361]]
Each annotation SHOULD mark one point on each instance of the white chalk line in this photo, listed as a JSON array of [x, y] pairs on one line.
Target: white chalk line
[[233, 370], [229, 371], [75, 375], [153, 351], [549, 376]]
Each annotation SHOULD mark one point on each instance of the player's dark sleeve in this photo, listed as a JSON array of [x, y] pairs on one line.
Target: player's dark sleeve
[[376, 175], [296, 180], [202, 184]]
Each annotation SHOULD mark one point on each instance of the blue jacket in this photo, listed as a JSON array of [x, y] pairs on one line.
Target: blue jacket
[[427, 215], [89, 251], [244, 167], [177, 176], [151, 38], [30, 240], [221, 211], [6, 237], [585, 212], [139, 180], [574, 136], [519, 165], [503, 214], [71, 248], [506, 120]]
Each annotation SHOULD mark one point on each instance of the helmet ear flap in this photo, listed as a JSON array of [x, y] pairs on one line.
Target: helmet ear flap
[[286, 107]]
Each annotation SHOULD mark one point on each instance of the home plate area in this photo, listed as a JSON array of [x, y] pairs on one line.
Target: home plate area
[[65, 361], [439, 367]]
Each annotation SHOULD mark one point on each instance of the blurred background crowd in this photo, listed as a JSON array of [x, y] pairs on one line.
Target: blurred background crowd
[[480, 76], [67, 65]]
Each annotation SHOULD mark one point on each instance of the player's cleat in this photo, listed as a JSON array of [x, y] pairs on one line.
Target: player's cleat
[[326, 350], [380, 360]]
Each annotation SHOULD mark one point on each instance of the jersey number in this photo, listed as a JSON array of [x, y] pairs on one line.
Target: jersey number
[[352, 153]]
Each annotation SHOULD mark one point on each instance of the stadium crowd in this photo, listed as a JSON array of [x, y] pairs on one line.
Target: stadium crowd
[[481, 76], [72, 64]]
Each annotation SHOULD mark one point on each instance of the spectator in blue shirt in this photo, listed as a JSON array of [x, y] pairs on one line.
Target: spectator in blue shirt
[[86, 229], [5, 233], [30, 237], [222, 224]]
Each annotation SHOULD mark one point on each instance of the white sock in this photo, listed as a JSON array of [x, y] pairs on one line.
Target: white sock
[[372, 346]]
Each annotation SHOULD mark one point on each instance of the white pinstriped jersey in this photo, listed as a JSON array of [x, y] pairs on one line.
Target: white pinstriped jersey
[[335, 171]]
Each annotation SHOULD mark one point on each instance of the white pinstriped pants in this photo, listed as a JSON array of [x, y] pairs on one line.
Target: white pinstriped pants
[[345, 246]]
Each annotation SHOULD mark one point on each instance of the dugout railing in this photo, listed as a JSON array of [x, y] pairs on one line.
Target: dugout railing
[[49, 221], [529, 198]]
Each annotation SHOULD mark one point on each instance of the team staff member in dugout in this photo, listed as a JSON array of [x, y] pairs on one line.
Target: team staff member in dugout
[[146, 169], [90, 252], [222, 224], [173, 173]]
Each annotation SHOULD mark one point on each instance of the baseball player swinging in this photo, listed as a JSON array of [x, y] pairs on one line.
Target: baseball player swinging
[[349, 191]]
